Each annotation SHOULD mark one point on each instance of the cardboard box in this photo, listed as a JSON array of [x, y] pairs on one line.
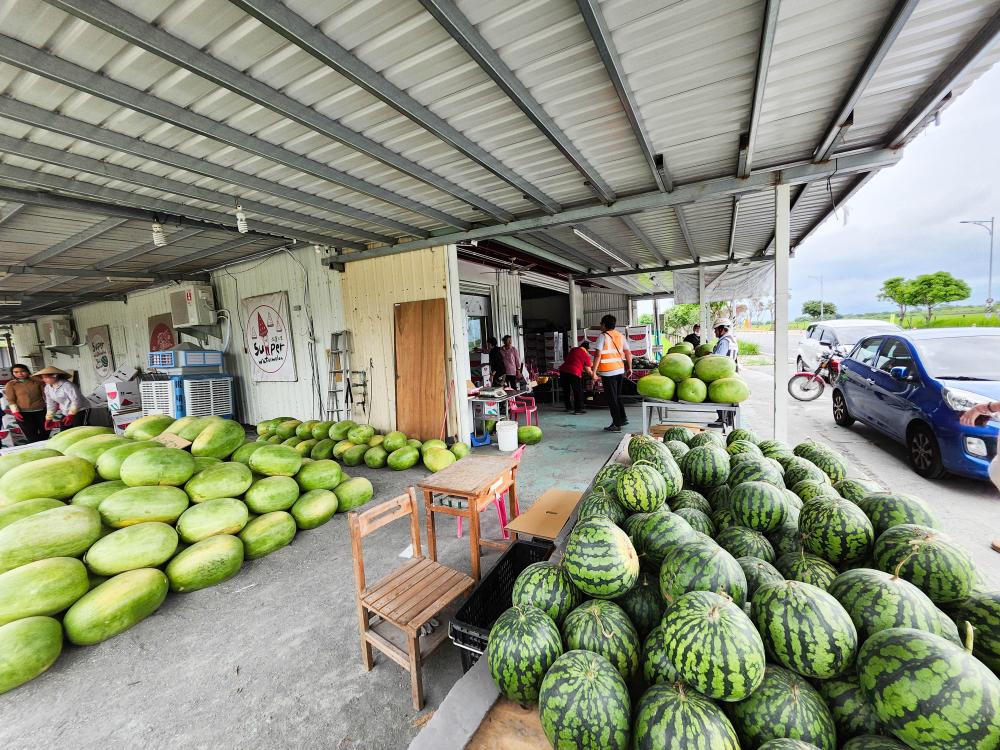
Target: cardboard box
[[123, 395], [547, 516], [122, 419]]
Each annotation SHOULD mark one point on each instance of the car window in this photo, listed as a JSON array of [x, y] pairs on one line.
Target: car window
[[867, 351], [849, 335], [813, 332], [828, 337], [894, 353], [961, 357]]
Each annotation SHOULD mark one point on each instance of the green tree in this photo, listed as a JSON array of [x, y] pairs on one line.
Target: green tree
[[645, 319], [897, 290], [815, 309], [933, 289], [680, 316]]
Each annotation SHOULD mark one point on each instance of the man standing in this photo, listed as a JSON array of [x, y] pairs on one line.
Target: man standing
[[571, 377], [726, 344], [694, 338], [26, 399], [613, 363], [498, 373]]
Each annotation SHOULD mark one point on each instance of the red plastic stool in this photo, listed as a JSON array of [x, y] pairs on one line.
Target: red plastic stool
[[523, 405]]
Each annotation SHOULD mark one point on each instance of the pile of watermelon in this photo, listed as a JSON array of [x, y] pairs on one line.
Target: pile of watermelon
[[686, 375], [101, 527], [735, 593]]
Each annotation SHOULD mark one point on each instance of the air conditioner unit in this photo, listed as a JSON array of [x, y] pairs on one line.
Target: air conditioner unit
[[56, 330], [192, 305]]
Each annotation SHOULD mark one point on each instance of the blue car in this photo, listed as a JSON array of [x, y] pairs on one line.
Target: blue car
[[914, 385]]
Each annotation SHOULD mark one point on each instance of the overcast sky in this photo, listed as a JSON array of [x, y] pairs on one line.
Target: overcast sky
[[905, 221]]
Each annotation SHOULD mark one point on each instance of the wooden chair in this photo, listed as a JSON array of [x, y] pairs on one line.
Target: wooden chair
[[405, 599]]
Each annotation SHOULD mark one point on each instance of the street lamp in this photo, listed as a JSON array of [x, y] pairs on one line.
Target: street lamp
[[822, 305], [988, 226]]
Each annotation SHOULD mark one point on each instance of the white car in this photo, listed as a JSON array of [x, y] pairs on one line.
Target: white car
[[840, 336]]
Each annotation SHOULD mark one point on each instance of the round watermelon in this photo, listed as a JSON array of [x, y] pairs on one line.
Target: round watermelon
[[705, 466], [829, 461], [690, 499], [677, 448], [600, 503], [930, 693], [523, 643], [739, 541], [798, 469], [785, 706], [698, 520], [673, 716], [855, 490], [741, 433], [774, 448], [928, 559], [701, 565], [758, 572], [583, 703], [708, 437], [657, 387], [656, 664], [786, 539], [545, 586], [783, 743], [734, 447], [888, 509], [657, 534], [600, 559], [714, 646], [643, 605], [604, 628], [804, 628], [982, 611], [760, 506], [835, 529], [660, 458], [722, 519], [680, 434], [852, 714], [801, 566], [873, 742], [753, 469], [641, 488], [607, 477], [807, 489]]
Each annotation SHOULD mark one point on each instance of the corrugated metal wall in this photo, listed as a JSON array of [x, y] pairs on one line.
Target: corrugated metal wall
[[598, 304], [505, 297], [370, 289]]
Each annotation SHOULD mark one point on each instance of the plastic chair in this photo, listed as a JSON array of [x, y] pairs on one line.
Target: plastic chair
[[523, 405], [499, 502]]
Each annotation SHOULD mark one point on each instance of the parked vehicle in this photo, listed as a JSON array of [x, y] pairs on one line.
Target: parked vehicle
[[913, 387], [809, 386], [837, 336]]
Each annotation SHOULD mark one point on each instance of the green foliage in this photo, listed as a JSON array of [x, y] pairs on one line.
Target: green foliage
[[897, 289], [645, 319], [680, 316], [932, 289], [748, 348], [815, 309]]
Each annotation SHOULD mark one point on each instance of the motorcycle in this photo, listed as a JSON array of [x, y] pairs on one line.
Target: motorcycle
[[809, 386]]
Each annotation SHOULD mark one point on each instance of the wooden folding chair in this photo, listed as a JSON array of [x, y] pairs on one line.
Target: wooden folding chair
[[405, 599]]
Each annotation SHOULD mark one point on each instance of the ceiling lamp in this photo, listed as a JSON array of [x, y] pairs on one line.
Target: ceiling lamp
[[159, 236], [241, 220], [590, 239]]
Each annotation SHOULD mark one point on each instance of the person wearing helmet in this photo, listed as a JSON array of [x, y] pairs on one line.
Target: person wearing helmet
[[726, 344]]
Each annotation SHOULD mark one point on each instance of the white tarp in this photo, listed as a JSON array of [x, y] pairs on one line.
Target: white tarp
[[725, 283], [268, 337]]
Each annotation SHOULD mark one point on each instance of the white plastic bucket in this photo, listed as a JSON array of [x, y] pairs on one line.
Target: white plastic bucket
[[507, 435]]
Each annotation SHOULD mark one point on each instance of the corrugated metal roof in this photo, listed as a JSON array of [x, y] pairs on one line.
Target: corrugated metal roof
[[376, 126]]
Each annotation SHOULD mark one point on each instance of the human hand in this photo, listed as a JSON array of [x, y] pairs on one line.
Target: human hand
[[67, 421], [51, 424], [971, 416], [17, 415]]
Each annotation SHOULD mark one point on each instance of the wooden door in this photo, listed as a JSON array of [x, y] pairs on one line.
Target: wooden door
[[420, 367]]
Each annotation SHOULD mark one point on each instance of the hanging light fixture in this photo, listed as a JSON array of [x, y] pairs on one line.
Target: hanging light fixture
[[159, 236], [591, 240], [241, 219]]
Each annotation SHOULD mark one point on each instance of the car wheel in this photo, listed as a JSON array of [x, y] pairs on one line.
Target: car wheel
[[840, 414], [924, 452]]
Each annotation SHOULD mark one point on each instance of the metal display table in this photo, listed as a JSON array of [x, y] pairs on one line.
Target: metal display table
[[669, 412], [489, 407]]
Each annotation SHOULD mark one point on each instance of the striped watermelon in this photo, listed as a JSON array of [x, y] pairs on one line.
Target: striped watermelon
[[744, 446], [807, 489], [855, 489], [604, 628], [722, 519], [982, 611], [930, 693], [714, 646], [928, 559], [793, 501], [690, 499], [785, 706], [583, 703], [878, 601], [600, 559], [741, 433], [607, 477], [679, 434], [804, 628], [758, 572], [798, 469], [698, 520], [672, 716], [708, 437], [545, 586], [523, 644], [643, 605], [718, 497], [774, 448], [783, 743], [659, 533], [873, 742], [705, 466], [758, 505], [829, 461], [801, 566], [637, 446], [656, 665], [641, 488], [755, 470], [677, 448], [835, 529], [600, 503], [739, 541], [852, 714], [786, 539], [888, 509], [632, 524], [663, 461], [701, 565]]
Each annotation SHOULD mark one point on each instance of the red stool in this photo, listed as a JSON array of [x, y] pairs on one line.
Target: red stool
[[523, 405]]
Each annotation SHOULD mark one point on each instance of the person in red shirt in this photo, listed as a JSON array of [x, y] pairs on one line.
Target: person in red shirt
[[571, 377]]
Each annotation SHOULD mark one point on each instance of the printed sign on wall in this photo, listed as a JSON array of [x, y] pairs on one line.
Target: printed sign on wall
[[161, 333], [99, 341], [268, 338]]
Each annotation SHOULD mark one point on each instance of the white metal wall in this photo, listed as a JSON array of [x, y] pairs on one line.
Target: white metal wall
[[598, 304], [505, 298]]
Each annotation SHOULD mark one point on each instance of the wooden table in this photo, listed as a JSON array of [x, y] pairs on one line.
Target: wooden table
[[477, 480]]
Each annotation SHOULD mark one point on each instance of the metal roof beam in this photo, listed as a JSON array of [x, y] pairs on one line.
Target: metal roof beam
[[81, 237], [131, 28], [643, 238], [679, 267], [122, 198], [599, 243], [538, 252], [21, 55], [685, 232], [796, 174], [93, 273], [767, 31], [845, 115], [37, 117], [938, 91], [145, 248], [601, 36], [63, 158], [547, 240], [468, 37], [11, 210], [732, 226], [225, 247], [307, 37]]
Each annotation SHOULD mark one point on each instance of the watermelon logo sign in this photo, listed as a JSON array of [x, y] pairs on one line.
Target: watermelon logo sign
[[267, 337]]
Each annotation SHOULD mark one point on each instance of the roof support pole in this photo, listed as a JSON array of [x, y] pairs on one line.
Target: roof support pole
[[702, 305], [573, 312], [782, 214]]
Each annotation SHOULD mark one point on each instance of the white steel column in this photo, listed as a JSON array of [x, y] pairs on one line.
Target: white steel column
[[574, 314], [703, 309], [459, 334], [782, 212]]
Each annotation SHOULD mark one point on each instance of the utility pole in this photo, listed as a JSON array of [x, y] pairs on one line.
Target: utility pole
[[822, 304], [988, 226]]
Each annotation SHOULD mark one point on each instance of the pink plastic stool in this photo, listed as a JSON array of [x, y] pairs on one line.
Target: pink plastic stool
[[523, 405], [499, 502]]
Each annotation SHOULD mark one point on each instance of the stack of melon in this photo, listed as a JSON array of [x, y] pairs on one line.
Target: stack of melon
[[736, 593], [684, 376], [99, 527], [355, 444]]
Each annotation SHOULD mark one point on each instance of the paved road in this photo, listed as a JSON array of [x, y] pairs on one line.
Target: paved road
[[765, 339], [968, 510]]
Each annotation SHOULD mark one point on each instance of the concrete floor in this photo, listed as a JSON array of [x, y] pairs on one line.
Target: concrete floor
[[270, 658]]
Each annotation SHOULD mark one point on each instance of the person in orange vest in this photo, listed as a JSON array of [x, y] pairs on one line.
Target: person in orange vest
[[612, 364]]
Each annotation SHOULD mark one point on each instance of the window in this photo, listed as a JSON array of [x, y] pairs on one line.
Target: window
[[813, 332], [867, 351], [962, 357], [828, 337], [894, 353]]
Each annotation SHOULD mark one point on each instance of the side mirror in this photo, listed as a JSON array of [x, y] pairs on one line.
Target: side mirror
[[901, 374]]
